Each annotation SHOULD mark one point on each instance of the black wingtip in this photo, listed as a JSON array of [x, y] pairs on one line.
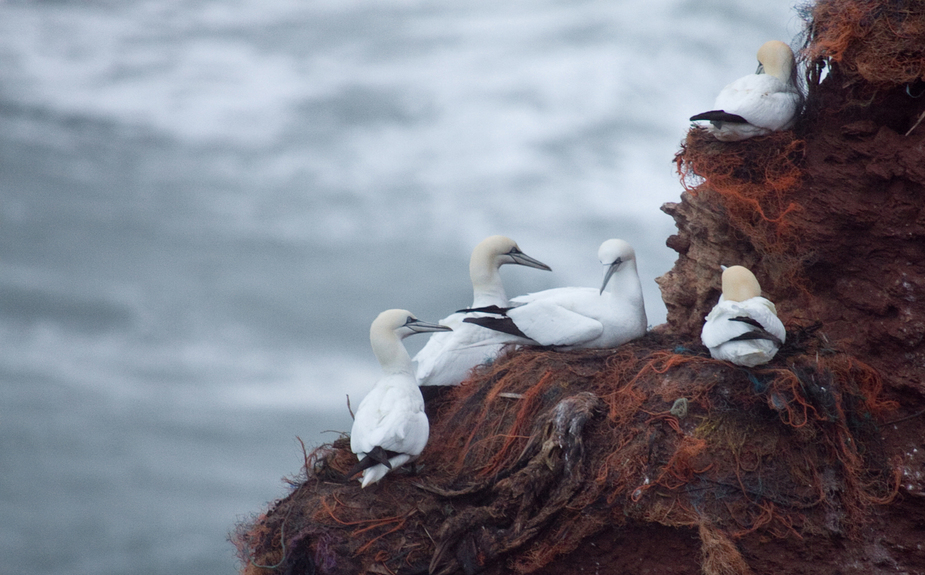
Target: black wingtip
[[758, 333], [375, 456], [360, 467], [750, 321], [497, 310], [752, 335], [719, 116], [502, 324]]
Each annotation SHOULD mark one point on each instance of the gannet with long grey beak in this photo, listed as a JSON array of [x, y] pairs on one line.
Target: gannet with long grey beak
[[759, 103], [743, 327], [390, 427], [447, 358], [580, 317]]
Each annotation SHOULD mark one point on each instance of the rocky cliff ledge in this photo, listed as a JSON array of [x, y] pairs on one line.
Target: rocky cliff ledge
[[653, 457]]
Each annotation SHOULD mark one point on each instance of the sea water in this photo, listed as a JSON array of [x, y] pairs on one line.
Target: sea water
[[203, 205]]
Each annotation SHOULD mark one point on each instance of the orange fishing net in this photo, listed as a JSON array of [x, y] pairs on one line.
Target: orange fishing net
[[756, 183], [879, 41], [755, 180], [545, 448]]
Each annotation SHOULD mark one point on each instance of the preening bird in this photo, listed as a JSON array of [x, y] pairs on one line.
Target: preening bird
[[579, 317], [743, 327], [447, 358], [390, 427], [759, 103]]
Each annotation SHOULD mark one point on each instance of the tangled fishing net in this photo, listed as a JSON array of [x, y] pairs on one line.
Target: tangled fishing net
[[544, 449], [880, 42], [756, 183], [754, 179]]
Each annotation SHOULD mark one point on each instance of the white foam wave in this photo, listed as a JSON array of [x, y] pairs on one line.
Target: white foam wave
[[207, 375]]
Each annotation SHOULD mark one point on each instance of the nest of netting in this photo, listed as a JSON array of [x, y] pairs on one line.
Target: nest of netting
[[755, 182], [544, 449], [879, 42]]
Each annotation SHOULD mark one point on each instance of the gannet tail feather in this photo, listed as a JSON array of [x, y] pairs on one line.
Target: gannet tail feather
[[502, 324], [719, 116]]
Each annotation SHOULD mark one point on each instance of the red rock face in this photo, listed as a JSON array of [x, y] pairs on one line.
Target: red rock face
[[851, 256], [851, 252], [865, 209]]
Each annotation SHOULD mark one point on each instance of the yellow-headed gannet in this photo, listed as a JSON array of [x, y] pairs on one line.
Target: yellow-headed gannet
[[447, 358], [759, 103], [390, 427], [580, 317], [743, 327]]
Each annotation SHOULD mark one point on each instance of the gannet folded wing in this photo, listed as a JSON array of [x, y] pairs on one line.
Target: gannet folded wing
[[758, 330], [759, 103], [760, 99], [547, 317], [447, 358], [579, 317], [742, 321]]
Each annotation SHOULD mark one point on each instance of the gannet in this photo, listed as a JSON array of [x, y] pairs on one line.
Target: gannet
[[580, 317], [390, 427], [447, 358], [759, 103], [743, 327]]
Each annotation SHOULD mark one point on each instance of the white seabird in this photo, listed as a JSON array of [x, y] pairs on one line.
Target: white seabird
[[743, 327], [580, 317], [447, 358], [759, 103], [390, 427]]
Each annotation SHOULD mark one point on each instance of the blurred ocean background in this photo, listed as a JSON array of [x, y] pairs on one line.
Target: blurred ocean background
[[204, 203]]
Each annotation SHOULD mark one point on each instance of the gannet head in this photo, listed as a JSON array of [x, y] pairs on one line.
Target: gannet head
[[616, 255], [487, 257], [402, 323], [387, 331], [740, 284], [495, 251], [776, 59]]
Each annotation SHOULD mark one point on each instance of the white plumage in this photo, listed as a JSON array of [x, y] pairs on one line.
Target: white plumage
[[743, 327], [580, 317], [447, 358], [759, 103], [390, 427]]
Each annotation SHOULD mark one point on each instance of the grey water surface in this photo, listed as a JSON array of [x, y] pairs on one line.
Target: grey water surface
[[203, 205]]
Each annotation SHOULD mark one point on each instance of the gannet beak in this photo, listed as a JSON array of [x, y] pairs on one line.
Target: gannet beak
[[523, 259], [760, 69], [610, 271], [418, 326]]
